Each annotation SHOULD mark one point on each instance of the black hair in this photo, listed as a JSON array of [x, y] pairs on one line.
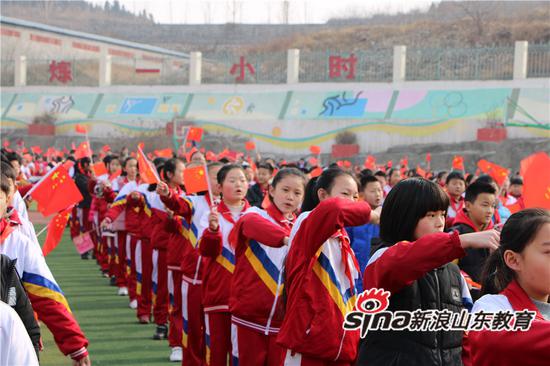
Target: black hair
[[455, 175], [124, 173], [485, 178], [169, 166], [81, 164], [109, 158], [222, 173], [159, 165], [516, 181], [8, 171], [391, 171], [477, 188], [408, 202], [5, 185], [266, 166], [324, 181], [365, 172], [285, 172], [441, 174], [518, 232], [380, 173], [12, 156], [365, 180], [469, 179]]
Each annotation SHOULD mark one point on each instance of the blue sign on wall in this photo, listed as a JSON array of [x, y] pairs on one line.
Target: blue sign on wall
[[138, 106]]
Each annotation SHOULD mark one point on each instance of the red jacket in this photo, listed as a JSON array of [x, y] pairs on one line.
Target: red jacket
[[321, 273], [509, 348], [220, 262], [257, 283], [464, 219], [133, 208], [193, 210]]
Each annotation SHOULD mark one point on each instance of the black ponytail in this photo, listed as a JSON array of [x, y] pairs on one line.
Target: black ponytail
[[324, 181], [520, 229]]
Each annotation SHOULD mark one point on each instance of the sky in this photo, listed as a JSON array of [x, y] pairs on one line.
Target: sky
[[264, 11]]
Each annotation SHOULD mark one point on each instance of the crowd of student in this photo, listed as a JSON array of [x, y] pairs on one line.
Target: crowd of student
[[262, 268]]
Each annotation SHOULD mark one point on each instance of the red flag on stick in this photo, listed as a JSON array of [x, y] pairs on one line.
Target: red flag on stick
[[147, 171], [55, 230], [55, 192], [194, 134], [250, 145], [195, 179], [315, 150], [81, 129], [497, 172], [536, 180], [83, 150], [458, 162]]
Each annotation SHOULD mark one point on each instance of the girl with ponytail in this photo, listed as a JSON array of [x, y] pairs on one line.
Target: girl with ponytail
[[516, 277]]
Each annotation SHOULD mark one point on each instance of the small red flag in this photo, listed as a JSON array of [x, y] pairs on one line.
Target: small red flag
[[211, 156], [315, 150], [147, 171], [316, 172], [389, 164], [370, 162], [80, 128], [405, 161], [55, 230], [536, 180], [106, 148], [99, 169], [55, 192], [28, 157], [428, 157], [195, 179], [421, 171], [347, 164], [164, 153], [458, 162], [36, 150], [83, 150], [497, 172], [194, 134], [6, 143], [250, 145]]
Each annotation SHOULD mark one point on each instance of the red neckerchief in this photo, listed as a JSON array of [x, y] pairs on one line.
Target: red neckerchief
[[454, 205], [346, 252], [5, 230], [519, 299], [226, 212], [13, 218], [278, 216]]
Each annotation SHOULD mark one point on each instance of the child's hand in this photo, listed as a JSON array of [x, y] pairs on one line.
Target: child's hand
[[375, 215], [285, 240], [162, 189], [170, 213], [213, 220], [106, 224], [488, 239]]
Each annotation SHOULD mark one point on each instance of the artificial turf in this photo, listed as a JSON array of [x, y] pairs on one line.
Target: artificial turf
[[110, 325]]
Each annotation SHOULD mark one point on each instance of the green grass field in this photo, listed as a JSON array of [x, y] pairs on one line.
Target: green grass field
[[110, 325]]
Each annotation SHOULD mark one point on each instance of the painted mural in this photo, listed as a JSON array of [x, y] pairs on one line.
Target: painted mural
[[381, 117]]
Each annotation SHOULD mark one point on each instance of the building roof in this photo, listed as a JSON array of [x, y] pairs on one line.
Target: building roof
[[91, 37]]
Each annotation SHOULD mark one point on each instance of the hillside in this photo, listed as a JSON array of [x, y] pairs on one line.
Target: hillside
[[446, 24]]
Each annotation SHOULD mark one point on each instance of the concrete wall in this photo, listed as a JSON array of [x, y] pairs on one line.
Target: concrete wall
[[290, 118]]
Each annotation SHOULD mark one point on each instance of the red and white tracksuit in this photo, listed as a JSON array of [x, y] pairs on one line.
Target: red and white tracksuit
[[508, 348], [257, 284], [220, 264], [46, 297], [321, 273], [192, 209]]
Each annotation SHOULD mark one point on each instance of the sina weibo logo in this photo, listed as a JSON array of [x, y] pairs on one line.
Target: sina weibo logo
[[370, 304], [373, 301]]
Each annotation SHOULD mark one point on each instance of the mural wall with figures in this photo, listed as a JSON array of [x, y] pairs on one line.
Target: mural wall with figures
[[290, 118]]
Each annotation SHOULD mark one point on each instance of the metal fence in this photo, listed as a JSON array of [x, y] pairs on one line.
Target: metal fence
[[489, 63], [460, 64], [538, 60]]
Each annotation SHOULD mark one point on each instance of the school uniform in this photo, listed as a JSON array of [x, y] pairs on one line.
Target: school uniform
[[509, 348], [257, 284], [321, 275]]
